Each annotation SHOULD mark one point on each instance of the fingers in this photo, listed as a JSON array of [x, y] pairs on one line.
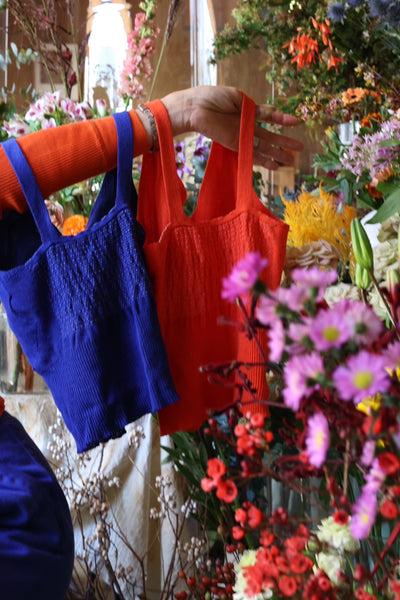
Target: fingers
[[266, 113], [273, 150]]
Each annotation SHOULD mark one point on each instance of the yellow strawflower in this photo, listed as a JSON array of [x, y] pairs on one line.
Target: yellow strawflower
[[312, 218]]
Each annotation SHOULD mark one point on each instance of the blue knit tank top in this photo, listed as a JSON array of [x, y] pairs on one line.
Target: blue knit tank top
[[83, 308]]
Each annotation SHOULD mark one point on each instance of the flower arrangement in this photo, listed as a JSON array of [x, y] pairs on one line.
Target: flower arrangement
[[137, 66], [364, 172], [332, 440], [310, 55], [53, 110]]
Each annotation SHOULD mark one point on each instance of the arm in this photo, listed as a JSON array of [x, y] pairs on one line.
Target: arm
[[65, 155]]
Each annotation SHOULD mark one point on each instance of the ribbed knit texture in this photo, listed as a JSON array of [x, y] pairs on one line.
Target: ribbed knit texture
[[187, 259], [83, 308]]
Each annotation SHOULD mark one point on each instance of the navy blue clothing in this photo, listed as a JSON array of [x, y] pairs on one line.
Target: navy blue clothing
[[36, 534], [83, 308]]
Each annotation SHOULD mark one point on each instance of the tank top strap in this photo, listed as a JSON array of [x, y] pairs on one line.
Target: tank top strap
[[174, 189], [245, 156], [117, 188], [48, 233], [125, 188]]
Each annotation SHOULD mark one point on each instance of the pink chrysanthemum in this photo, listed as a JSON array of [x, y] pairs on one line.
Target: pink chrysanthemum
[[266, 311], [363, 375], [243, 276], [366, 324], [294, 297], [391, 356], [329, 329], [276, 341], [298, 335], [317, 439], [314, 277], [364, 513], [300, 377]]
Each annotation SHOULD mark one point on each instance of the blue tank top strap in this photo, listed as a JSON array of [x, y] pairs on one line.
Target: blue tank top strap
[[125, 187], [117, 188], [33, 195]]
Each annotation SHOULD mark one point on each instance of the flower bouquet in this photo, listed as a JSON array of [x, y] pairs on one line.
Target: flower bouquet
[[306, 503]]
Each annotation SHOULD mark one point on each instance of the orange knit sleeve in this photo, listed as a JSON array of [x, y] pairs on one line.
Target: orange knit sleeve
[[62, 156]]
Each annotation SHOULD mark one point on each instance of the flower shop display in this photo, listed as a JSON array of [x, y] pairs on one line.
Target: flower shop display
[[303, 503]]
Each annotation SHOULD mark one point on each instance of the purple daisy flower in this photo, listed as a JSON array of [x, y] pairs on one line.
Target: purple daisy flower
[[294, 297], [301, 373], [364, 513], [391, 354], [363, 375], [317, 439], [368, 453], [276, 341], [298, 334], [266, 311], [314, 277], [243, 276], [329, 329], [365, 323], [375, 477]]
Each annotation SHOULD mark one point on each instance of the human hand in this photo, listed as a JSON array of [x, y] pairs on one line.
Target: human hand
[[215, 112]]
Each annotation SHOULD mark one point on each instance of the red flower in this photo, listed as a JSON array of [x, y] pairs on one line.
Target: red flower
[[257, 420], [240, 430], [255, 516], [207, 484], [237, 532], [389, 463], [227, 491], [72, 79], [287, 585], [215, 468], [389, 510], [295, 544], [266, 538], [246, 445], [282, 564], [341, 517], [333, 62], [254, 577], [300, 563], [395, 588], [241, 515]]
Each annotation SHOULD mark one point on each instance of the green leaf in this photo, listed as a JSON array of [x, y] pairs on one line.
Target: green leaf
[[346, 189], [390, 207], [389, 143], [203, 456]]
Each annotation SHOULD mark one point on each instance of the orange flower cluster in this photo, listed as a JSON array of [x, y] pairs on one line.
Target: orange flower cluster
[[305, 49], [356, 95], [74, 224]]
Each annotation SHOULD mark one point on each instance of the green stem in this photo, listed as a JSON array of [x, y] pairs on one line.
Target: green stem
[[381, 295], [57, 49], [157, 69]]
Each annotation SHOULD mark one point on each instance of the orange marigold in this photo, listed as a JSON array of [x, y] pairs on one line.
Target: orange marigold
[[74, 224], [353, 95], [366, 121], [373, 191]]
